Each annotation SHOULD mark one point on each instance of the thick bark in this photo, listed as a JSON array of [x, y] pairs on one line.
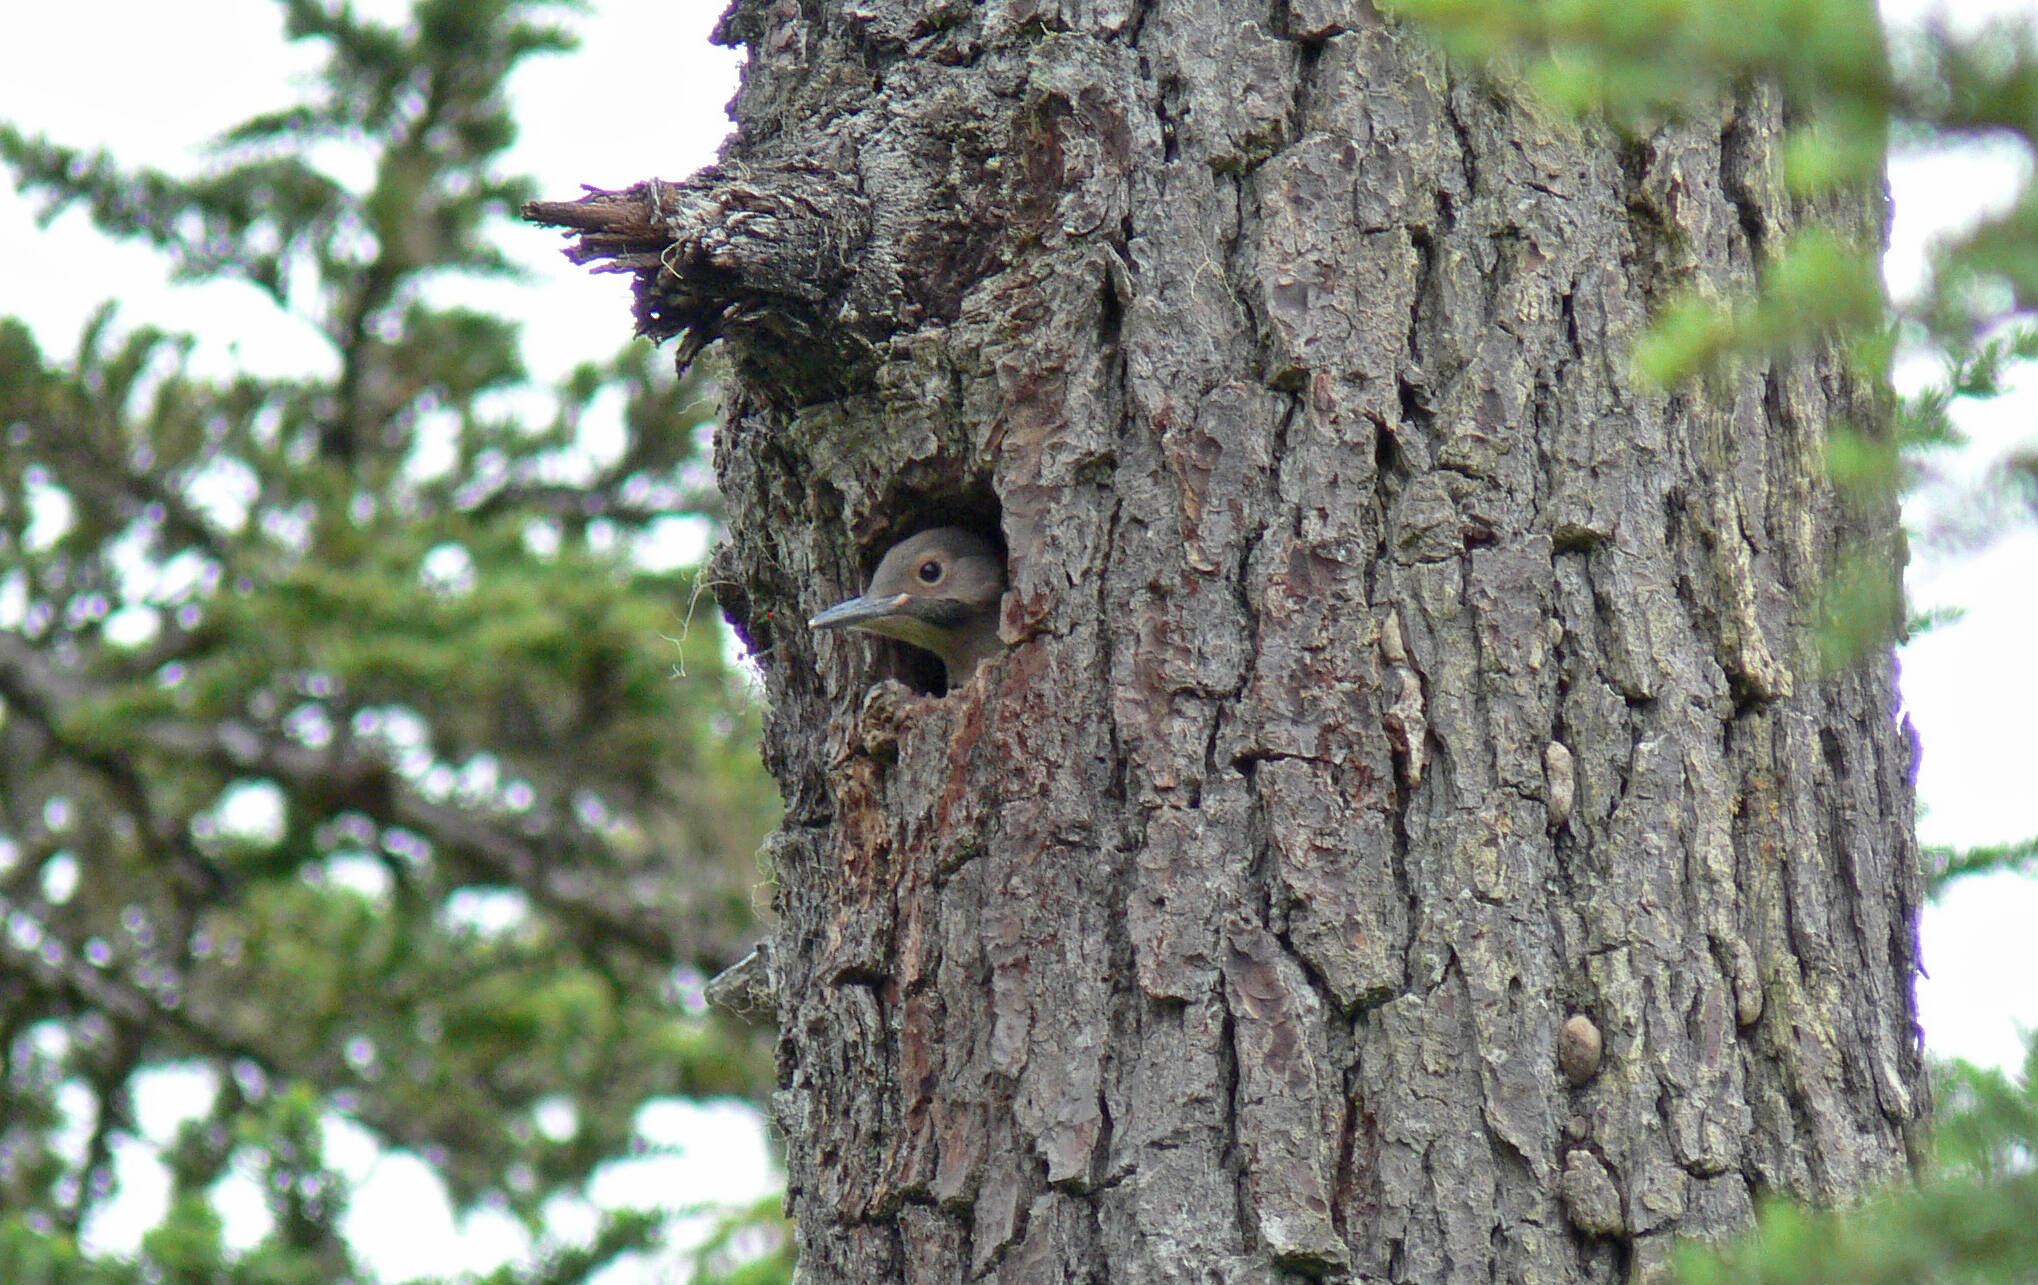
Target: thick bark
[[1412, 836]]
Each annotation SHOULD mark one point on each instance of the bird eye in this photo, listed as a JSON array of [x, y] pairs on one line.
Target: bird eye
[[930, 572]]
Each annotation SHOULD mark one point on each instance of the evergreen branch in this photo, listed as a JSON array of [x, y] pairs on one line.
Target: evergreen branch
[[1943, 865], [29, 683], [336, 779], [56, 972], [109, 1082]]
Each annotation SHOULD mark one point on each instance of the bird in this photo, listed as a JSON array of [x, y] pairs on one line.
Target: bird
[[938, 591]]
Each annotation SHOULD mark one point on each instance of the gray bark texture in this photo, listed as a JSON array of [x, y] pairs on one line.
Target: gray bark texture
[[1412, 836]]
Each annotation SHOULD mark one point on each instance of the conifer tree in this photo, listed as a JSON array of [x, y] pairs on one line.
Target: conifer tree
[[357, 743]]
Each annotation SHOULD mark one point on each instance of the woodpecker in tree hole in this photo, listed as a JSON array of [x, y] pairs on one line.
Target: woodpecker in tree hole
[[937, 590]]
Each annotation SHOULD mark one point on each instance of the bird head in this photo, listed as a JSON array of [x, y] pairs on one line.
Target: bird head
[[937, 590]]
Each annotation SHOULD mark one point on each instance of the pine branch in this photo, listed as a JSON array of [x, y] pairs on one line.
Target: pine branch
[[337, 778]]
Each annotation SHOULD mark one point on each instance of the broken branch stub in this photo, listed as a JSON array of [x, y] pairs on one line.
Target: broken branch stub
[[767, 255]]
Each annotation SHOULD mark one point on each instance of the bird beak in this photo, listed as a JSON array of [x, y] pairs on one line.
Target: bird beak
[[859, 611]]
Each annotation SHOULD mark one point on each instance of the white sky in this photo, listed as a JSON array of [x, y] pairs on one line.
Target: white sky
[[147, 80]]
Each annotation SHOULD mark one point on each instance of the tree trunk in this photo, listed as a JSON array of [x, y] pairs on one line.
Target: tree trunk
[[1412, 836]]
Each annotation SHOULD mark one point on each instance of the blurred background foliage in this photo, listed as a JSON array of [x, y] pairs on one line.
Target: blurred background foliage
[[364, 746]]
